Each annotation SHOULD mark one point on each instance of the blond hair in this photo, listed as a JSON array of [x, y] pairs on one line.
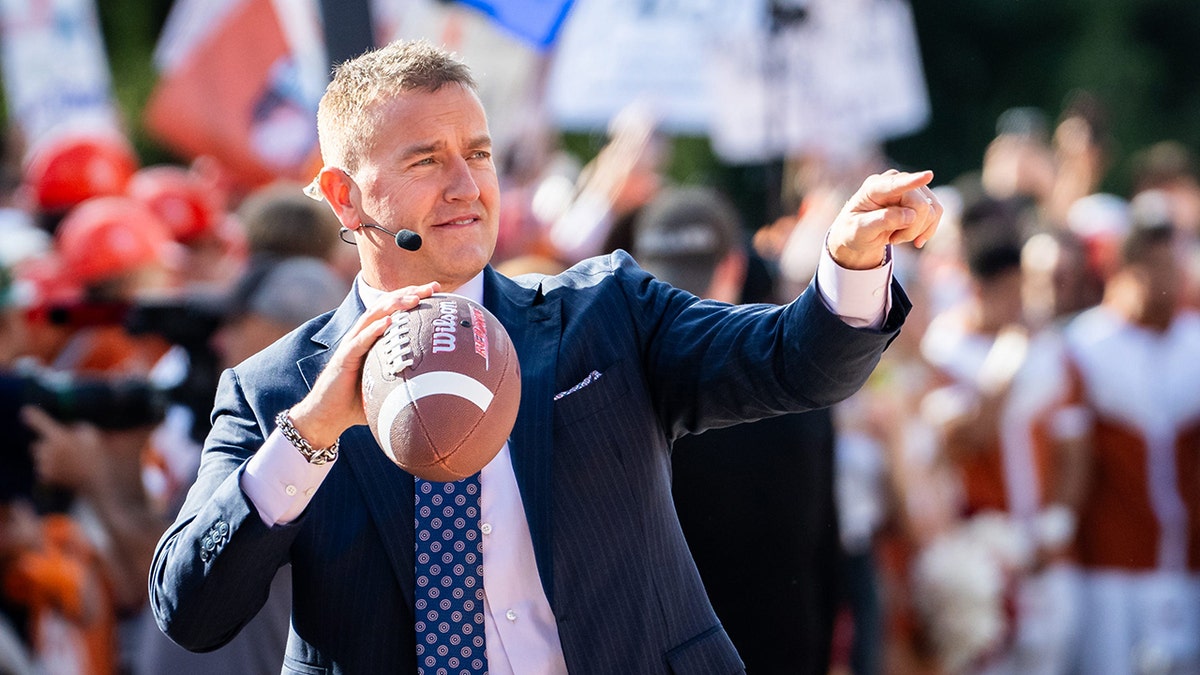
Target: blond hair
[[345, 116]]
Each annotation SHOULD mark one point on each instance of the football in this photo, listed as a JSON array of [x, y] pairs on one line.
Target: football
[[441, 388]]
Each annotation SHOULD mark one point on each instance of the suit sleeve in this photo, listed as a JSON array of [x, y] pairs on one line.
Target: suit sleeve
[[709, 364], [212, 569]]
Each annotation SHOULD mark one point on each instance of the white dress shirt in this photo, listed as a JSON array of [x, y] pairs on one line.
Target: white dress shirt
[[519, 626]]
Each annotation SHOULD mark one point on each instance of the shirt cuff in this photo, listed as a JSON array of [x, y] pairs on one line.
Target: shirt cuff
[[862, 298], [280, 482]]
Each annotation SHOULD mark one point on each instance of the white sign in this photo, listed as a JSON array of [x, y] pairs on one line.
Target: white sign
[[55, 69], [845, 78], [656, 52]]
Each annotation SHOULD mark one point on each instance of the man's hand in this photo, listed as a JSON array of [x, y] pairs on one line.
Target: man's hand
[[335, 402], [73, 456], [889, 208]]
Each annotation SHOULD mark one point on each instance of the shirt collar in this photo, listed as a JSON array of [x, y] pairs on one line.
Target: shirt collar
[[472, 290]]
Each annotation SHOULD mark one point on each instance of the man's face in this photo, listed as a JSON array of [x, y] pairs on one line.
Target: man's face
[[427, 168], [1000, 298], [1161, 276]]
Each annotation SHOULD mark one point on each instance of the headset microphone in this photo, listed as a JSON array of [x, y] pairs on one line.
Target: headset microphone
[[408, 240], [405, 239]]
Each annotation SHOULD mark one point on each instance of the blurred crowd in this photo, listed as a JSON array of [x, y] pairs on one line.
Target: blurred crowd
[[1016, 489]]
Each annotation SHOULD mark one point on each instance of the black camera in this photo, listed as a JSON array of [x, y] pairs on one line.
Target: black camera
[[188, 321], [111, 404], [123, 403]]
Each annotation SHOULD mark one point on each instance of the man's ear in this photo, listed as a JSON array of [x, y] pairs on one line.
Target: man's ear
[[339, 189]]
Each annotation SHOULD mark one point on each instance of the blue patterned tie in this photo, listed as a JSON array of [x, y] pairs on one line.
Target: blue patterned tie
[[449, 571]]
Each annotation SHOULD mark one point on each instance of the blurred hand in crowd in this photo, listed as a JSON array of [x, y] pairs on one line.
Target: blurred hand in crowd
[[104, 468]]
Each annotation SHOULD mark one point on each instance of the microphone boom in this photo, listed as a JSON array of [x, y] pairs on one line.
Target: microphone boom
[[405, 239]]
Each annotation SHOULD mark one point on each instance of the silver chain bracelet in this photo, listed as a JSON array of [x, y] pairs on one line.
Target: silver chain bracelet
[[313, 455]]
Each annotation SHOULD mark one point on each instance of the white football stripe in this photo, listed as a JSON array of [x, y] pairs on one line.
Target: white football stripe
[[428, 384]]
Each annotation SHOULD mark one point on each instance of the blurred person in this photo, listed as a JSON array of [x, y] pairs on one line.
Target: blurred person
[[1167, 188], [281, 221], [58, 589], [1018, 163], [1057, 281], [815, 187], [581, 574], [537, 176], [1081, 144], [1044, 173], [1001, 429], [1155, 208], [1169, 168], [17, 522], [111, 513], [1138, 537], [611, 189], [941, 268], [1101, 221], [55, 593], [192, 206], [210, 250], [892, 494], [275, 222], [270, 300], [69, 168], [115, 250], [798, 257], [776, 510], [887, 493]]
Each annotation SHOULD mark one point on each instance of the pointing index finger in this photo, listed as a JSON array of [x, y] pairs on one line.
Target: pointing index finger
[[890, 187]]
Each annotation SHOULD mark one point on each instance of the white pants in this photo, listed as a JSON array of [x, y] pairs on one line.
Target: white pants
[[1141, 623], [1046, 638]]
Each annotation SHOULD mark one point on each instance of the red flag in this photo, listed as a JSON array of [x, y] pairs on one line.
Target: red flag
[[236, 95]]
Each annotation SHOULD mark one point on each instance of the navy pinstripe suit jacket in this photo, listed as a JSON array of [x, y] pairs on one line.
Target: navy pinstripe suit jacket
[[593, 469]]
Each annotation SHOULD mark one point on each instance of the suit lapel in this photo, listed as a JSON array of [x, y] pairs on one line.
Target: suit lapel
[[328, 337], [387, 489], [535, 325]]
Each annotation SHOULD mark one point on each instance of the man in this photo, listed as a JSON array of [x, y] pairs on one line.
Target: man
[[1009, 441], [1138, 535], [586, 567], [763, 524]]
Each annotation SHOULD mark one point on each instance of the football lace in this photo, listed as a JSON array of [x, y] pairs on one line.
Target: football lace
[[397, 344]]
